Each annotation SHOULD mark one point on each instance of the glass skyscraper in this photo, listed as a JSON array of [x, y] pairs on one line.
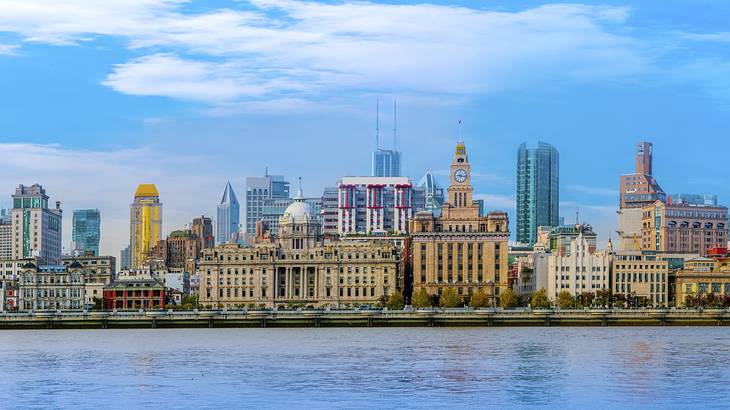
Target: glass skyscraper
[[86, 230], [228, 215], [386, 163], [537, 190], [259, 189]]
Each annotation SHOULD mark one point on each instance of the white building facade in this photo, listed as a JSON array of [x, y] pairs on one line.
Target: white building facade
[[368, 205], [580, 270]]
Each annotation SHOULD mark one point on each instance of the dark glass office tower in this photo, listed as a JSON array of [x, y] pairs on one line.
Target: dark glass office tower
[[538, 177]]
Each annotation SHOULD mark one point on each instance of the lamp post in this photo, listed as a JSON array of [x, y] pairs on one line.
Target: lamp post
[[494, 296]]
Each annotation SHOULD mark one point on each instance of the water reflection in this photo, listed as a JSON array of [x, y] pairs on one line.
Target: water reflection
[[367, 368]]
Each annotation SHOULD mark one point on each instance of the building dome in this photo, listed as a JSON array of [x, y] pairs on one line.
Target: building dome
[[298, 211]]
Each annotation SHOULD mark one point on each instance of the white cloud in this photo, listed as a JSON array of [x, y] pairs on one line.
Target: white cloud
[[299, 50], [8, 49], [107, 180]]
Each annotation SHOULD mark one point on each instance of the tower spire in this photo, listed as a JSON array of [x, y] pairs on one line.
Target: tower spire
[[299, 193], [377, 125], [395, 125]]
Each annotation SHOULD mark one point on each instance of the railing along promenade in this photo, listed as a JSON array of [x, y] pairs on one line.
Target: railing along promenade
[[465, 317]]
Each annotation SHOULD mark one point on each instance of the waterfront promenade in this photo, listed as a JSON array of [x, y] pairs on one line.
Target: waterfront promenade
[[366, 318]]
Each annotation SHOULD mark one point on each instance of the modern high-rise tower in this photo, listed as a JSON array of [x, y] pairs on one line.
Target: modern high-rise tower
[[386, 162], [86, 230], [636, 191], [36, 229], [145, 226], [640, 188], [203, 231], [228, 215], [259, 189], [538, 195]]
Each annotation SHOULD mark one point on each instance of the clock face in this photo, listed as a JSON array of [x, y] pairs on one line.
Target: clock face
[[460, 175]]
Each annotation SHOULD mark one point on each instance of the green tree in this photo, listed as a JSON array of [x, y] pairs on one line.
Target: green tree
[[98, 303], [395, 301], [479, 299], [564, 300], [508, 299], [540, 300], [603, 297], [586, 299], [421, 299], [449, 299]]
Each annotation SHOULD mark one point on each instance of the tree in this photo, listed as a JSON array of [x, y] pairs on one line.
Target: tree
[[395, 301], [449, 299], [479, 299], [98, 303], [564, 300], [603, 297], [540, 300], [508, 299], [586, 299], [421, 299]]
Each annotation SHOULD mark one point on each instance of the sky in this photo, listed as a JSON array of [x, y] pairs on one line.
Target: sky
[[97, 97]]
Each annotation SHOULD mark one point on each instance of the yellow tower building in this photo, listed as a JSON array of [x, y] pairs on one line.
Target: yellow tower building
[[145, 223], [460, 249]]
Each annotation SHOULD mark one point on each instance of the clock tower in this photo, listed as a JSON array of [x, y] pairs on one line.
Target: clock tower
[[460, 190]]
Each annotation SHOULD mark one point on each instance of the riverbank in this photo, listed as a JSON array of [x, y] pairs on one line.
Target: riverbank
[[369, 318]]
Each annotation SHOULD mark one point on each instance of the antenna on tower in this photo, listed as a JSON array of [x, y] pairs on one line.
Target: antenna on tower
[[300, 187], [377, 124], [461, 138], [577, 215], [395, 124], [266, 172]]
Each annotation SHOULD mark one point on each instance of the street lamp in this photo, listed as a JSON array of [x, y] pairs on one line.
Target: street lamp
[[494, 296]]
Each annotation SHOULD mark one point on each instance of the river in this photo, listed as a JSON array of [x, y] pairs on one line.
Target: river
[[638, 367]]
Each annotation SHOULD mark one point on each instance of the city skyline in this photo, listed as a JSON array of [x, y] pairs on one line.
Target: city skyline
[[120, 128]]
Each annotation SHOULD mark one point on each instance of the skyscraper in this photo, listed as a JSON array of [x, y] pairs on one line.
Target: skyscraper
[[640, 188], [433, 193], [124, 258], [386, 162], [36, 228], [86, 230], [258, 189], [537, 190], [228, 215], [6, 235], [636, 191], [203, 231], [145, 224]]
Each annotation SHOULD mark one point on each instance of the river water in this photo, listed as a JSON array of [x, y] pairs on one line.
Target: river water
[[657, 367]]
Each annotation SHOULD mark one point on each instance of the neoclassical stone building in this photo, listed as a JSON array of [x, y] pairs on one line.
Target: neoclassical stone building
[[298, 268], [51, 287], [460, 249]]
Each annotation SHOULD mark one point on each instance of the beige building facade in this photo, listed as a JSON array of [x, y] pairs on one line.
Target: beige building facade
[[298, 268], [460, 249], [51, 288], [703, 276], [644, 276], [684, 228], [580, 271]]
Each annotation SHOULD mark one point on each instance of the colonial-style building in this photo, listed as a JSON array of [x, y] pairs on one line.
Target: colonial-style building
[[460, 249], [640, 275], [298, 268], [99, 271], [702, 276], [582, 270], [136, 289], [51, 287]]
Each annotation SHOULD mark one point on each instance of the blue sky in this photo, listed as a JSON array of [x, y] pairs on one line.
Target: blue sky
[[97, 97]]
